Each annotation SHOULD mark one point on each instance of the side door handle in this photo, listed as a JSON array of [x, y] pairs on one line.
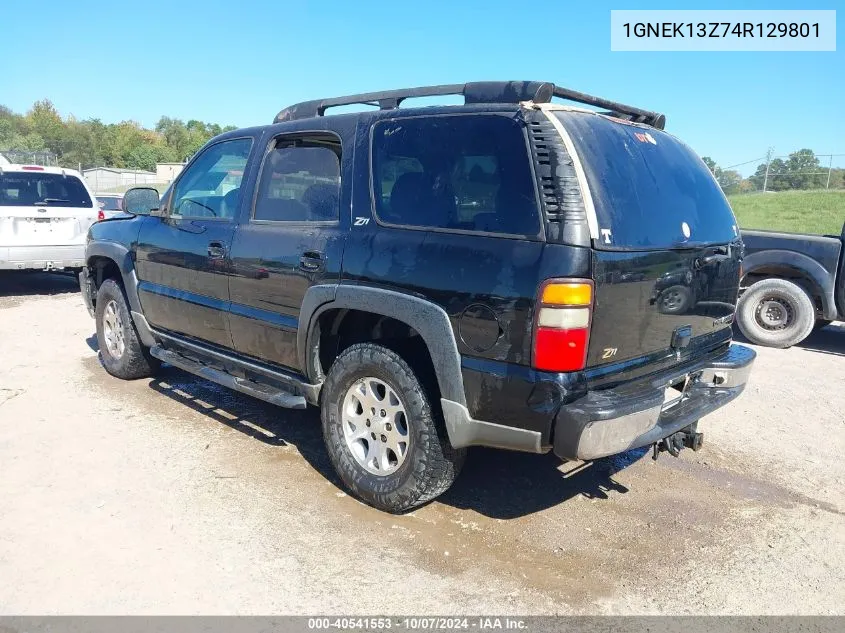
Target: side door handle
[[216, 250], [311, 261]]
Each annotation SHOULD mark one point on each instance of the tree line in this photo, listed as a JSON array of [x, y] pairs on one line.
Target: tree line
[[92, 143], [800, 170]]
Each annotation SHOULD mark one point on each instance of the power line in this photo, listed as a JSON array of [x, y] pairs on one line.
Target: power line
[[762, 158]]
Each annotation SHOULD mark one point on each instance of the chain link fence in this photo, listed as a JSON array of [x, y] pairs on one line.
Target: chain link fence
[[797, 171], [26, 157]]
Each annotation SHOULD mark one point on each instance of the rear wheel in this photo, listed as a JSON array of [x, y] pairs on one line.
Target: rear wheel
[[776, 313], [384, 437], [121, 351]]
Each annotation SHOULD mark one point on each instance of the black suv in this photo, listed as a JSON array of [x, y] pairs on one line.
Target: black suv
[[435, 278]]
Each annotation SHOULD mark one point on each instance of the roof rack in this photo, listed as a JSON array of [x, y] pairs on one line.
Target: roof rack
[[473, 92]]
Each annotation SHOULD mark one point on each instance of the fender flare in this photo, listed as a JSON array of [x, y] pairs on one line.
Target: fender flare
[[427, 318], [122, 256], [821, 278]]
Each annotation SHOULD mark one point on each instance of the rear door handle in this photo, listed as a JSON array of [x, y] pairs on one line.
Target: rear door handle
[[216, 250], [311, 261]]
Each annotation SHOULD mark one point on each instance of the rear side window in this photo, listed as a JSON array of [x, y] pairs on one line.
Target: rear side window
[[454, 172], [300, 182], [650, 190], [42, 190]]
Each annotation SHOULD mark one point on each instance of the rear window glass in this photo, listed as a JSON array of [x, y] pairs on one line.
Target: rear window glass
[[454, 172], [650, 190], [42, 190], [109, 203]]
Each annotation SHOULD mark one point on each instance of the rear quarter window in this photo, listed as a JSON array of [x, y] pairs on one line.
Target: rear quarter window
[[461, 173], [650, 191]]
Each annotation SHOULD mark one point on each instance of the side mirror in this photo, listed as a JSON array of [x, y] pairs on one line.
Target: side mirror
[[141, 201]]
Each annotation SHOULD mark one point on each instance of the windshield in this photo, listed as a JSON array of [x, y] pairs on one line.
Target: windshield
[[109, 203], [43, 190], [650, 190]]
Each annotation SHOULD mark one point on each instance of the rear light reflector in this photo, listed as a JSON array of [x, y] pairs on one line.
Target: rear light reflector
[[562, 329], [32, 168], [101, 215]]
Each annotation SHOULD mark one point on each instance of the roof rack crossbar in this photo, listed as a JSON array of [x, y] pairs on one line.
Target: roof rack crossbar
[[654, 119], [473, 92]]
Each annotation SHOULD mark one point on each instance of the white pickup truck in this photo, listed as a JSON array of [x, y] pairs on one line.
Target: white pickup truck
[[45, 213]]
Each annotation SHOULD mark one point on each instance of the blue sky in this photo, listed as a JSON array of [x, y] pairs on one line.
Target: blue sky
[[240, 62]]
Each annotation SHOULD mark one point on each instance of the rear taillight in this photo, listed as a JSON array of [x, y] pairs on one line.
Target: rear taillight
[[101, 215], [32, 168], [562, 325]]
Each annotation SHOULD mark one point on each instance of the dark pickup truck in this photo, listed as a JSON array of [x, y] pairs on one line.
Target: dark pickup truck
[[510, 272], [792, 284]]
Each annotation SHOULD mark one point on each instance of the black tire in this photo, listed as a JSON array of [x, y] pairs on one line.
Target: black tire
[[821, 323], [776, 313], [135, 360], [430, 465], [675, 300]]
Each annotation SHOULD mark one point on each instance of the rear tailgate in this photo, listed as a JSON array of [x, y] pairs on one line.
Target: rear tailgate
[[667, 254], [44, 209]]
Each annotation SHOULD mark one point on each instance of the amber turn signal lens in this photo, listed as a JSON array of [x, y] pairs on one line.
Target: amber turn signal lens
[[567, 294]]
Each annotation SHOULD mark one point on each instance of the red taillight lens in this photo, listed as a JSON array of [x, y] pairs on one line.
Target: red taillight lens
[[560, 350], [101, 215], [32, 168], [562, 325]]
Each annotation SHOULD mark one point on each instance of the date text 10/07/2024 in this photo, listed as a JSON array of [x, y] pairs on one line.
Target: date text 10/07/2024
[[423, 623]]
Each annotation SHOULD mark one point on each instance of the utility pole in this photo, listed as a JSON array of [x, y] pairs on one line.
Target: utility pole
[[829, 169], [769, 153]]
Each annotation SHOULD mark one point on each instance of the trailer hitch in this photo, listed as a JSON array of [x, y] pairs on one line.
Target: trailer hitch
[[685, 438]]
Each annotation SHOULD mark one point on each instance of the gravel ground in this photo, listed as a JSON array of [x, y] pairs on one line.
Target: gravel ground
[[173, 496]]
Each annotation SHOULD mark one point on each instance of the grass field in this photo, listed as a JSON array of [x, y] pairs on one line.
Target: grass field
[[819, 212]]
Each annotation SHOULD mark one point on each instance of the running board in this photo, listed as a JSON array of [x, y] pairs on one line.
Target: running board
[[267, 393]]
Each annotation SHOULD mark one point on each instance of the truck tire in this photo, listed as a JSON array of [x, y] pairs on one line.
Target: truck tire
[[776, 313], [675, 300], [121, 351], [386, 441]]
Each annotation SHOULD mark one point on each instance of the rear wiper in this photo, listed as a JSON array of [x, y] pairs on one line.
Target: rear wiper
[[50, 200]]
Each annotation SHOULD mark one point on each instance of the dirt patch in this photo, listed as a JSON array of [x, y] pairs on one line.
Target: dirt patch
[[175, 496]]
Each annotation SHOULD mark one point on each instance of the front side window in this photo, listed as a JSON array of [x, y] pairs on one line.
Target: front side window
[[211, 186], [18, 189], [300, 182], [454, 172]]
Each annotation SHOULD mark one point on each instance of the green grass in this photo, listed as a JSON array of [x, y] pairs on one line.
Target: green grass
[[819, 212]]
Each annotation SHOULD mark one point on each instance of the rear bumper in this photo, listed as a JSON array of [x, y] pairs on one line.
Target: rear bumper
[[42, 257], [611, 421]]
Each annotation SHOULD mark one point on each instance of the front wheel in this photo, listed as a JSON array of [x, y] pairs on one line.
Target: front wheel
[[121, 351], [775, 313], [384, 438]]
